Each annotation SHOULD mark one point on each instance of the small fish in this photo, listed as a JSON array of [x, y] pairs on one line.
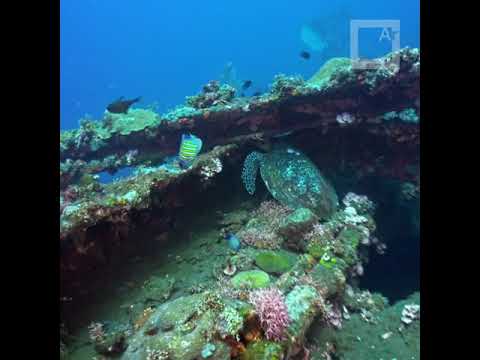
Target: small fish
[[246, 84], [121, 106], [257, 93], [189, 149], [305, 55], [233, 241]]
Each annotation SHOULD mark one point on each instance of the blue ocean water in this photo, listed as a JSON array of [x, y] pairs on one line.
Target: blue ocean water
[[166, 50]]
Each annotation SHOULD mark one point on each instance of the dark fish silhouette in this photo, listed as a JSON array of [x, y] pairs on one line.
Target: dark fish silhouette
[[121, 106], [257, 93], [246, 84], [305, 55]]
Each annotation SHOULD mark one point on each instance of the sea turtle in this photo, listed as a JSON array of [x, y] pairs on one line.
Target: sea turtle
[[292, 179]]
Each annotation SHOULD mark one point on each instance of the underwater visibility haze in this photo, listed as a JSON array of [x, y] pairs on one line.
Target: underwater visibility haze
[[235, 183]]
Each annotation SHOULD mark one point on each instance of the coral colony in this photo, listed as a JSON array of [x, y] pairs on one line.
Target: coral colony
[[272, 312]]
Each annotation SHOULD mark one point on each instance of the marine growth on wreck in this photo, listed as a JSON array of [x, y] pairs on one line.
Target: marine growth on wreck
[[247, 227]]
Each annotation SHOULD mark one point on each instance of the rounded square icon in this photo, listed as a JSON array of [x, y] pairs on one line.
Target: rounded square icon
[[386, 28]]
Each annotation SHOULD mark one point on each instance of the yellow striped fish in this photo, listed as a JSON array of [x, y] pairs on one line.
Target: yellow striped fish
[[189, 149]]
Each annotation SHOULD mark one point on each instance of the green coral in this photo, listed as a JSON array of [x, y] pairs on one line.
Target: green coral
[[295, 225], [245, 309], [298, 303], [330, 279], [275, 262], [230, 321], [349, 238], [251, 279], [124, 124], [263, 350], [331, 67], [315, 248], [302, 216], [328, 260], [181, 111], [284, 85]]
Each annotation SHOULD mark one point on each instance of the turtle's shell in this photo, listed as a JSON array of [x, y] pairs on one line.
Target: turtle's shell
[[295, 181]]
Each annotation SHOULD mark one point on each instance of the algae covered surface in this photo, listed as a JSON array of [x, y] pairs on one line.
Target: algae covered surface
[[178, 301], [384, 336]]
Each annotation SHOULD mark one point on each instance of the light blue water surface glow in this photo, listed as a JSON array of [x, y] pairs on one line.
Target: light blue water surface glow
[[166, 50]]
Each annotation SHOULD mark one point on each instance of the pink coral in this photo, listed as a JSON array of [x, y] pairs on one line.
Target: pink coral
[[268, 217], [272, 312]]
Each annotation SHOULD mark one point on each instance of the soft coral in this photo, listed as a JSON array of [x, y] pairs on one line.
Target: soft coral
[[272, 312]]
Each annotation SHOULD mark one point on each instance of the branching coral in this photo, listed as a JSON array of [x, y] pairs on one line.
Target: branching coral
[[213, 94], [211, 169], [273, 211], [360, 202], [286, 85], [260, 238], [230, 322], [410, 313]]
